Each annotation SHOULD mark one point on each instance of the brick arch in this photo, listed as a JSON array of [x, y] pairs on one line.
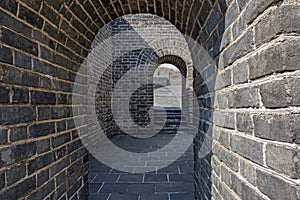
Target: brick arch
[[174, 60]]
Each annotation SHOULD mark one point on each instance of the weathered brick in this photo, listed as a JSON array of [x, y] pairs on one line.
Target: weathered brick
[[227, 157], [14, 115], [5, 55], [244, 122], [244, 98], [283, 159], [40, 162], [19, 190], [49, 13], [256, 7], [223, 119], [222, 137], [248, 171], [43, 191], [53, 32], [3, 136], [279, 189], [249, 193], [238, 27], [4, 97], [239, 48], [15, 173], [236, 184], [42, 177], [10, 22], [58, 167], [31, 17], [240, 73], [20, 95], [277, 127], [17, 153], [44, 113], [247, 148], [277, 58], [19, 42], [275, 94], [60, 140], [18, 133], [2, 180], [38, 97], [43, 146], [9, 5], [44, 67], [22, 60], [231, 14], [42, 129], [293, 91], [223, 80], [284, 19]]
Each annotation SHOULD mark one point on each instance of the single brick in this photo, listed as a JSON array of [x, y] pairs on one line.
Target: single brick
[[14, 115], [283, 159], [4, 94], [244, 98], [5, 55], [38, 97], [279, 189], [3, 136], [43, 146], [247, 148], [18, 133], [43, 129], [278, 127], [20, 95], [275, 94], [22, 60]]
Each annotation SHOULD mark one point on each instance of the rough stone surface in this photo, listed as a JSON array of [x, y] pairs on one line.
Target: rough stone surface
[[283, 159]]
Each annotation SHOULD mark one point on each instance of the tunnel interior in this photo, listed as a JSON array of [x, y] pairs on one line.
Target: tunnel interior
[[241, 60]]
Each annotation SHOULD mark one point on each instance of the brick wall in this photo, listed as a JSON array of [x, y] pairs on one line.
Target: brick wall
[[41, 153], [256, 115]]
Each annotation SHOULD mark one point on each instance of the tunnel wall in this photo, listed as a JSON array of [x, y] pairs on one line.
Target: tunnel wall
[[254, 111], [256, 128], [41, 154]]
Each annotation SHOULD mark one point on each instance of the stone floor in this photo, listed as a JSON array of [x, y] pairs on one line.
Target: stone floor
[[174, 182]]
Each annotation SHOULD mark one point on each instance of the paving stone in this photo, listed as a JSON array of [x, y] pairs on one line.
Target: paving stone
[[156, 178], [174, 187], [141, 188], [114, 188], [185, 196], [131, 178]]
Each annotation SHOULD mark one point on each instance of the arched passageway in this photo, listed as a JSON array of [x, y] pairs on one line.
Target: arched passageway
[[245, 77]]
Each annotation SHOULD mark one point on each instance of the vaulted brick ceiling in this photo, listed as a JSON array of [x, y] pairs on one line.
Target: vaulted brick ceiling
[[89, 15]]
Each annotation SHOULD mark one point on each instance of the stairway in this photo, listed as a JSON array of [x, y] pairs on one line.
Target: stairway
[[174, 122]]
